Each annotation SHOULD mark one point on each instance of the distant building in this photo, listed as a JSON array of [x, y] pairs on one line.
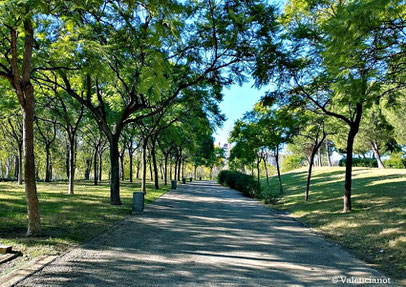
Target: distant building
[[227, 149]]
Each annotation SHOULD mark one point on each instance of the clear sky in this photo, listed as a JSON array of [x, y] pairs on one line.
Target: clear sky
[[237, 100]]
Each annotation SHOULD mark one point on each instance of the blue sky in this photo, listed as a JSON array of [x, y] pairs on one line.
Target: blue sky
[[237, 100]]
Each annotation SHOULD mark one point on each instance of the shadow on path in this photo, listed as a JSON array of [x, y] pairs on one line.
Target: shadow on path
[[204, 234]]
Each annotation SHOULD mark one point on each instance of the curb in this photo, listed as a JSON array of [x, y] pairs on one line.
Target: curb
[[32, 267]]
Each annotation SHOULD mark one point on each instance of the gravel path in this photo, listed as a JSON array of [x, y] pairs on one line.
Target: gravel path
[[204, 235]]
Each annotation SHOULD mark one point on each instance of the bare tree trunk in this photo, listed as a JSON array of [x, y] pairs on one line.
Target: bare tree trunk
[[258, 172], [183, 168], [144, 166], [161, 170], [354, 128], [150, 168], [179, 167], [170, 168], [166, 169], [114, 172], [47, 163], [319, 157], [266, 173], [88, 168], [95, 175], [131, 166], [138, 169], [375, 149], [278, 169], [34, 221], [153, 157], [121, 157], [328, 154], [67, 159], [20, 165], [176, 168], [100, 165], [71, 166]]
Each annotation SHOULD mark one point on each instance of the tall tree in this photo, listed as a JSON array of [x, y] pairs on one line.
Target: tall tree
[[17, 44]]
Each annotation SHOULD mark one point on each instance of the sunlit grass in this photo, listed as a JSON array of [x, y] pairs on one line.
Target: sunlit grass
[[67, 220], [376, 228]]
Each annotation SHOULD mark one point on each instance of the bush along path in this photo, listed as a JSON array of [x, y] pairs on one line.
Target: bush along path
[[205, 234]]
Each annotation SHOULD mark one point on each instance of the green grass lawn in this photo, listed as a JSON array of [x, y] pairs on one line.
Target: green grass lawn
[[67, 220], [374, 231]]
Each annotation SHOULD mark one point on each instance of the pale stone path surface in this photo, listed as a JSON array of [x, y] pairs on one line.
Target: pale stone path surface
[[204, 235]]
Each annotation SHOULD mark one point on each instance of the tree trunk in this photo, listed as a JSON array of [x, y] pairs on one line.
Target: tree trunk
[[161, 170], [166, 170], [150, 168], [71, 165], [144, 166], [100, 165], [179, 167], [88, 168], [130, 154], [138, 169], [170, 168], [95, 175], [20, 165], [183, 168], [67, 159], [176, 169], [258, 172], [266, 173], [309, 174], [354, 128], [195, 172], [278, 170], [121, 157], [319, 157], [34, 221], [156, 177], [328, 154], [377, 154], [114, 172], [316, 147], [211, 172], [16, 167], [47, 163], [1, 169]]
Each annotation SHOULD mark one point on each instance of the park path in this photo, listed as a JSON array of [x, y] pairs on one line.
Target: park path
[[203, 234]]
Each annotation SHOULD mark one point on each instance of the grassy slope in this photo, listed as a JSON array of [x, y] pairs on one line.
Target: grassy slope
[[66, 220], [376, 229]]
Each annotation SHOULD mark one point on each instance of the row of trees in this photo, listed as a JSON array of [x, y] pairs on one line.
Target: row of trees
[[178, 146], [99, 70], [339, 72]]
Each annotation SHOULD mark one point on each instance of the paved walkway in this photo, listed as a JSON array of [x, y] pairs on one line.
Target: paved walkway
[[204, 235]]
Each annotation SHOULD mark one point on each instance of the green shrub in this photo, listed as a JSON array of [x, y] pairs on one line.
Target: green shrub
[[221, 177], [291, 162], [244, 183], [396, 161], [360, 162]]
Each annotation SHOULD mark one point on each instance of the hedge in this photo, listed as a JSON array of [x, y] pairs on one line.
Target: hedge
[[242, 182], [360, 162]]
